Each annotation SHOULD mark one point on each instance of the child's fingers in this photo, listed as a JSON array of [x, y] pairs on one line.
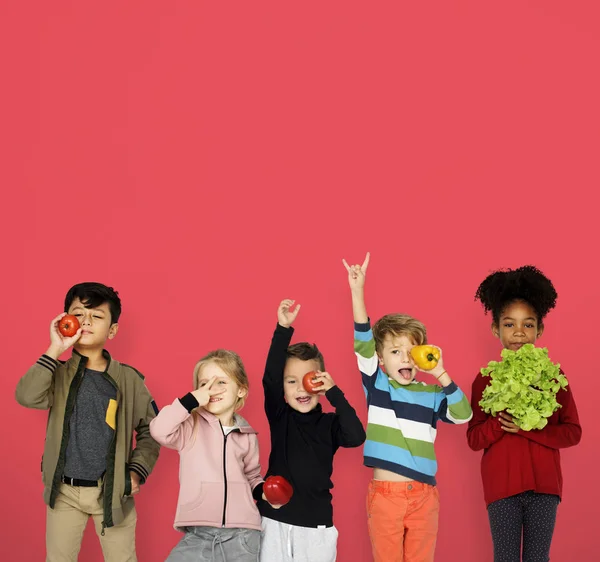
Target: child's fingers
[[346, 265], [366, 262], [73, 339], [210, 382], [58, 318], [213, 391], [508, 425]]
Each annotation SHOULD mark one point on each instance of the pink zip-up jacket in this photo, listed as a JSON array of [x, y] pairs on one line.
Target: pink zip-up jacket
[[217, 472]]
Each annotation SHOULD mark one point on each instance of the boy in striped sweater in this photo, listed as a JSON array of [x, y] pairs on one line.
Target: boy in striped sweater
[[403, 501]]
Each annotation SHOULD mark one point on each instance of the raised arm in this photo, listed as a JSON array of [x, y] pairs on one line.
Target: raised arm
[[273, 376], [364, 344]]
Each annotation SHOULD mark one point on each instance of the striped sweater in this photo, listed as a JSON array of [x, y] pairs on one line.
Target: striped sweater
[[402, 419]]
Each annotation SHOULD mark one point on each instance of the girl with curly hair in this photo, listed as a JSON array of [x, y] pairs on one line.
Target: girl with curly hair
[[522, 479]]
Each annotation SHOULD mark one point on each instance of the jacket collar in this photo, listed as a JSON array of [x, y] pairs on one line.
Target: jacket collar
[[78, 359], [240, 422]]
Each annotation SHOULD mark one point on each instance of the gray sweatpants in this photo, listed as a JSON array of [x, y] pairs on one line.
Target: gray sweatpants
[[289, 543], [215, 544]]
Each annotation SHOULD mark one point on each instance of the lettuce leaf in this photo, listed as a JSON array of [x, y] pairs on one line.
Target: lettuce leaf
[[524, 384]]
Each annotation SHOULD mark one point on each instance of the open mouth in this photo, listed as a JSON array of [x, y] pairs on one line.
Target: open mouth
[[303, 400], [406, 374], [215, 399]]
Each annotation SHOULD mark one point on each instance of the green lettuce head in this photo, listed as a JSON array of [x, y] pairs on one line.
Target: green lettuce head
[[524, 384]]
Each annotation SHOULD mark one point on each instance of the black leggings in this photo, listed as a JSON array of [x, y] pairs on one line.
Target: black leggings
[[529, 514]]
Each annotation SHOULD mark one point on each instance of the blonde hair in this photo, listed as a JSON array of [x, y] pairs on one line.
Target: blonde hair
[[397, 325], [232, 364]]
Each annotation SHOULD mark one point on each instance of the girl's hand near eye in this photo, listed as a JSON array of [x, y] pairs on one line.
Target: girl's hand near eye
[[206, 392]]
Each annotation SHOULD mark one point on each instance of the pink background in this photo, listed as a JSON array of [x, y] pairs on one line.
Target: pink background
[[208, 159]]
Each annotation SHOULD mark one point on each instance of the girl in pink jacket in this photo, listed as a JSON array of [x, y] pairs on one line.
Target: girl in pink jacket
[[219, 469]]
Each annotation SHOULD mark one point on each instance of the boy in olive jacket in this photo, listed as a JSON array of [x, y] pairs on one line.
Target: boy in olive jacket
[[95, 404]]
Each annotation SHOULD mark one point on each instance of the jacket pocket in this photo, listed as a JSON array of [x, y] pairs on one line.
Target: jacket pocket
[[111, 414], [204, 504]]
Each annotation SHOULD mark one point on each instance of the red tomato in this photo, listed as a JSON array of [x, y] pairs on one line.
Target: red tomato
[[310, 384], [68, 325], [277, 490]]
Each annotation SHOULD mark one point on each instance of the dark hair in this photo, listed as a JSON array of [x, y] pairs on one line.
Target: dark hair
[[526, 283], [306, 352], [93, 295]]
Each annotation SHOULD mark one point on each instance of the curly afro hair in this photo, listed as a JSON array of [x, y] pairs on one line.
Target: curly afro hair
[[526, 283]]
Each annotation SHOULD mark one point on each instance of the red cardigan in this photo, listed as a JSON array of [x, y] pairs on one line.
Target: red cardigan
[[528, 460]]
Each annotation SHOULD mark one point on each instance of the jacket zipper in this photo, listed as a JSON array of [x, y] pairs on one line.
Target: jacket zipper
[[70, 406], [108, 501], [224, 472]]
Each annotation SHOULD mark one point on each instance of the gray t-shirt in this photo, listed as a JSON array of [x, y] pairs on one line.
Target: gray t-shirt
[[92, 427]]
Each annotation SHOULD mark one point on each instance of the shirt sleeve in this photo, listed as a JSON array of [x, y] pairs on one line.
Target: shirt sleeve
[[366, 355], [484, 430]]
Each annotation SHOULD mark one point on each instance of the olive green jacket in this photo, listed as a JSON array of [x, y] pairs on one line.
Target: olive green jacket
[[53, 385]]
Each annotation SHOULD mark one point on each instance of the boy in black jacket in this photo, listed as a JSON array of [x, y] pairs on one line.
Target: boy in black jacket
[[303, 442]]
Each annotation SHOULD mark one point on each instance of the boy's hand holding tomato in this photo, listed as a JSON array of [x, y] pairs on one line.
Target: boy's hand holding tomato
[[318, 382], [59, 343]]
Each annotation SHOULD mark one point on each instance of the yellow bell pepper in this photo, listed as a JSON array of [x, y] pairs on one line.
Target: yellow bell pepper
[[426, 357]]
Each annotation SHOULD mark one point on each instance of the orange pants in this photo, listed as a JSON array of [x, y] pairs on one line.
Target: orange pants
[[403, 520]]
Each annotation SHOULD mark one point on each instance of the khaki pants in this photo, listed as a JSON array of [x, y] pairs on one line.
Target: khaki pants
[[66, 522]]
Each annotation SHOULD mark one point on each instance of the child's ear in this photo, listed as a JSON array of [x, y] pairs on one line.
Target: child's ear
[[242, 392], [112, 331], [495, 330], [540, 330]]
